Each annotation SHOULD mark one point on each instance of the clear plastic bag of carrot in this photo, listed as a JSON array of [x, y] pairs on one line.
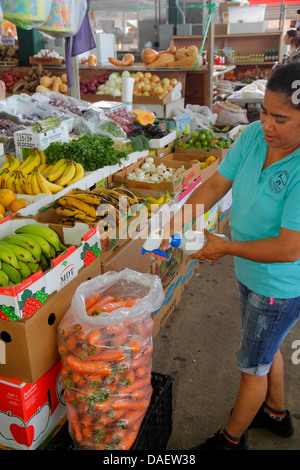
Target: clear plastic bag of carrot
[[105, 343]]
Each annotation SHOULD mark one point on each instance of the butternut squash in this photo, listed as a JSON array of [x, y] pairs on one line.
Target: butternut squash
[[188, 61], [164, 60], [192, 51], [63, 88], [180, 53], [45, 81], [57, 82], [41, 89]]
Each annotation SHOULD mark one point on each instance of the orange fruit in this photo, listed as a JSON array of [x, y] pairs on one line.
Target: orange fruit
[[18, 204], [1, 216], [2, 210], [6, 197]]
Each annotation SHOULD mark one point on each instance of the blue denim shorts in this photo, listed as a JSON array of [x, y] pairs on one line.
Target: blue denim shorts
[[265, 323]]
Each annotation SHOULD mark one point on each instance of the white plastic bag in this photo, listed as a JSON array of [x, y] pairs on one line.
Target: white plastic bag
[[229, 114], [107, 358], [201, 116], [65, 18]]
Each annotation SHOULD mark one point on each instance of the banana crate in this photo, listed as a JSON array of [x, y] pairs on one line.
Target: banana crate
[[79, 246], [117, 213]]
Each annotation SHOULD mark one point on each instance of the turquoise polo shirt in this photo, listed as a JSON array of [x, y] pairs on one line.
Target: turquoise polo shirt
[[263, 202]]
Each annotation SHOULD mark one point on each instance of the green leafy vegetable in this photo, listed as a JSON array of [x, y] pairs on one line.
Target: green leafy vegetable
[[92, 152]]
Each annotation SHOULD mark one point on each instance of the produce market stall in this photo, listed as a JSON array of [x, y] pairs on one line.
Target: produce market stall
[[83, 182]]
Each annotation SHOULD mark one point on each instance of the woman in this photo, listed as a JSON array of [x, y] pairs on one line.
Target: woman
[[263, 170], [294, 51]]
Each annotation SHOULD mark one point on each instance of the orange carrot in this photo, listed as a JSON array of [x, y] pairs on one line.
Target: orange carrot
[[131, 416], [141, 393], [62, 349], [87, 367], [91, 301], [128, 440], [111, 355], [74, 422], [109, 307], [130, 404], [71, 342], [100, 302], [95, 335]]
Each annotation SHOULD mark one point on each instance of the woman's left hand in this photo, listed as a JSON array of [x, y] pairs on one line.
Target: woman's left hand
[[214, 249]]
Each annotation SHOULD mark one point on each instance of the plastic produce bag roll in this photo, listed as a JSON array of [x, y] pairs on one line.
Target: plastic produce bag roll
[[105, 342], [127, 91]]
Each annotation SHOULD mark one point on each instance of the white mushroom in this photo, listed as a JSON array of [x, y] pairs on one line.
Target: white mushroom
[[145, 166], [149, 159]]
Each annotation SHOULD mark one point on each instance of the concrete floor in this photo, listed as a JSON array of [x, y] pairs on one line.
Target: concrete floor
[[196, 346]]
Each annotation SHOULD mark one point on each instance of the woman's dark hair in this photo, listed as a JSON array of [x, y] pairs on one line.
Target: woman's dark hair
[[292, 33], [286, 81], [296, 41]]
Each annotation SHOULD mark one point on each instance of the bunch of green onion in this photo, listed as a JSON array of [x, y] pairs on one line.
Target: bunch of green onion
[[45, 124]]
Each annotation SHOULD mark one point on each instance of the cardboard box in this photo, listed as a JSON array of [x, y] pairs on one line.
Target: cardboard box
[[226, 202], [189, 267], [172, 298], [162, 151], [27, 139], [30, 412], [128, 256], [223, 220], [29, 346], [220, 153], [205, 173], [159, 143], [182, 181], [180, 123], [166, 269], [221, 29], [83, 244], [112, 241]]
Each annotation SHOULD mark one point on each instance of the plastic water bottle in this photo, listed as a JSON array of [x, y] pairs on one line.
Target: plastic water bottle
[[189, 242]]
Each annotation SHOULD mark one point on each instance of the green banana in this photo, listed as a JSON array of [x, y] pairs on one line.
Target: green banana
[[21, 253], [24, 270], [52, 252], [44, 260], [13, 273], [43, 231], [27, 242], [8, 256], [45, 246], [4, 279], [34, 267]]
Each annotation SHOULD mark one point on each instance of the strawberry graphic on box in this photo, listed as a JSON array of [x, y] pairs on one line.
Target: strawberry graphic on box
[[31, 303], [90, 253]]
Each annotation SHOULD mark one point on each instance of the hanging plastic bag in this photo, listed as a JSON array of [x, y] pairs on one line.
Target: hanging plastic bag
[[65, 18], [106, 356], [229, 114], [26, 14], [95, 122]]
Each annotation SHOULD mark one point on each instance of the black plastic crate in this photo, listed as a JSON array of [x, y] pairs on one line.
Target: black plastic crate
[[156, 427]]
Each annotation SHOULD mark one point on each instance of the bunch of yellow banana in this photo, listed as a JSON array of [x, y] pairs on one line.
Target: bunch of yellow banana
[[35, 176], [29, 249], [103, 206], [154, 204]]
